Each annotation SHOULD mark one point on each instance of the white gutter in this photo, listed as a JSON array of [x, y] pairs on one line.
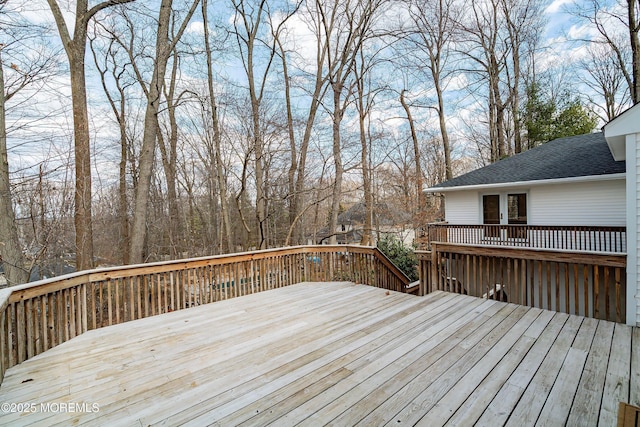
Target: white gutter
[[588, 178]]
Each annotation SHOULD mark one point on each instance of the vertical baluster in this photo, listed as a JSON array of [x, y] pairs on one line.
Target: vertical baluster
[[557, 304], [151, 298], [596, 292], [30, 328], [161, 303], [210, 284], [607, 295], [170, 284], [585, 269], [51, 331], [71, 313], [85, 307], [117, 299], [540, 299], [96, 302], [566, 287], [576, 293], [132, 298], [619, 301], [12, 335], [4, 344]]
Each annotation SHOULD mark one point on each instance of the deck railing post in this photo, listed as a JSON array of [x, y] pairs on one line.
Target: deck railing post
[[433, 285]]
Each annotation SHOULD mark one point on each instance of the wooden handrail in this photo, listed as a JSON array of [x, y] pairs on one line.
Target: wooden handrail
[[40, 315], [576, 237], [584, 257]]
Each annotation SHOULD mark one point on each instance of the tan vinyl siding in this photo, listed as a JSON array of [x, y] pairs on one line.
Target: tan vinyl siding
[[583, 203]]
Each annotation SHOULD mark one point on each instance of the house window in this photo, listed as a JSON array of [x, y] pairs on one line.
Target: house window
[[517, 215], [517, 208]]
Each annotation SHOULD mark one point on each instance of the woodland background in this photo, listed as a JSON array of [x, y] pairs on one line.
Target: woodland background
[[138, 131]]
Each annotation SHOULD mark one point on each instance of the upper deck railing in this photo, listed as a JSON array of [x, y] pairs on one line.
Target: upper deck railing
[[560, 237], [38, 316]]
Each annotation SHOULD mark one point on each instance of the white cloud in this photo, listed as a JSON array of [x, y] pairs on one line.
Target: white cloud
[[556, 6], [196, 27]]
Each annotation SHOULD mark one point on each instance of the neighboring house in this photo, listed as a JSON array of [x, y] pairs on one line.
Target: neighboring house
[[385, 221], [571, 194]]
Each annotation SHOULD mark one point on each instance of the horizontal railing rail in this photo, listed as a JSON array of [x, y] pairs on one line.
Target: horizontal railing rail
[[573, 238], [591, 284], [38, 316]]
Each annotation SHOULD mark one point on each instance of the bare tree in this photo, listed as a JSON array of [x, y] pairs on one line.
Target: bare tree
[[497, 36], [603, 76], [345, 25], [164, 47], [419, 199], [216, 146], [318, 86], [75, 46], [433, 34], [481, 34], [249, 33], [26, 68], [365, 100], [618, 29], [169, 155], [110, 63], [522, 19], [11, 255]]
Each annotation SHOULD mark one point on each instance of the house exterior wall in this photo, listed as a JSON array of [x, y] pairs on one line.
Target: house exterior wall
[[462, 207], [597, 203], [632, 148], [581, 203]]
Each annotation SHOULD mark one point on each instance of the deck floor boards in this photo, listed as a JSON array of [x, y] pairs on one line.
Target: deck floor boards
[[339, 354]]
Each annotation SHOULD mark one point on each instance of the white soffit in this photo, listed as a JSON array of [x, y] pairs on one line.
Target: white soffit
[[616, 130]]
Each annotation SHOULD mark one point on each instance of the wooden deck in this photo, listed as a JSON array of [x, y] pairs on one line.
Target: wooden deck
[[339, 354]]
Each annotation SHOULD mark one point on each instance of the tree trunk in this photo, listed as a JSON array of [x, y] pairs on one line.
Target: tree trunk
[[75, 49], [151, 127], [11, 256], [169, 163], [337, 161], [217, 137], [123, 206], [82, 217], [446, 146], [417, 159], [293, 164], [367, 232]]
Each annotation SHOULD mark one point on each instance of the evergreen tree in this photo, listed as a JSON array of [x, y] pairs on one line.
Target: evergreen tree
[[548, 118]]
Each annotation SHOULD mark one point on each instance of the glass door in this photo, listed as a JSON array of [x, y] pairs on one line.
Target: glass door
[[491, 215]]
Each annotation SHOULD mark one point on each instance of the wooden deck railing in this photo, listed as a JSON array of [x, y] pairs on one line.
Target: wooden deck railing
[[38, 316], [585, 283], [572, 238]]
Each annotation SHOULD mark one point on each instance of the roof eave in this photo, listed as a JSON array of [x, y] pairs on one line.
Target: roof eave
[[588, 178]]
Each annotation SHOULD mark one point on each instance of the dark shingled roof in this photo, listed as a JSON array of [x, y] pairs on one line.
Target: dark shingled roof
[[575, 156]]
